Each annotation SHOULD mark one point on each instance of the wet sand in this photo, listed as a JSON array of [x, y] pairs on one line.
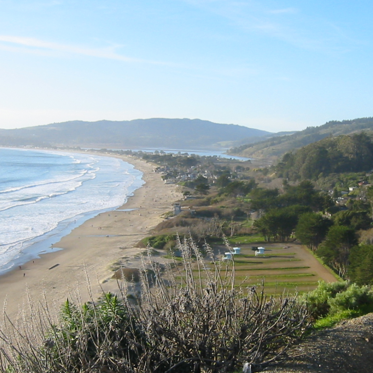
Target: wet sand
[[90, 250]]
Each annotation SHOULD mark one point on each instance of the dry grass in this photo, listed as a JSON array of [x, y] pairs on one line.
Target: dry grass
[[128, 274]]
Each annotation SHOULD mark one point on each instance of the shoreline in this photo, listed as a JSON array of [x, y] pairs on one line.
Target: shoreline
[[91, 248], [46, 242]]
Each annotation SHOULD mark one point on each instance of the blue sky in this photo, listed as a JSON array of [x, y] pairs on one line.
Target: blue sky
[[273, 65]]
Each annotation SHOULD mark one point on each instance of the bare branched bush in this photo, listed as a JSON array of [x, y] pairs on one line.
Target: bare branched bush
[[189, 318], [211, 227]]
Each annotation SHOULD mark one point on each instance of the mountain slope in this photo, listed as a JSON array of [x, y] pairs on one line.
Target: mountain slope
[[277, 146], [141, 133]]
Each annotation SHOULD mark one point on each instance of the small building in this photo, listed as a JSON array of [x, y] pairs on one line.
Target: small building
[[227, 256], [177, 208], [236, 250], [260, 251]]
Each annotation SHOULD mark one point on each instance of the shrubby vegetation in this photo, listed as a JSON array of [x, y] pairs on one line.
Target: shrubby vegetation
[[162, 241], [237, 188], [360, 268], [331, 302], [193, 320]]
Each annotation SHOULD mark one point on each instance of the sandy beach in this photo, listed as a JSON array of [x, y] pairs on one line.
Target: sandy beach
[[90, 250]]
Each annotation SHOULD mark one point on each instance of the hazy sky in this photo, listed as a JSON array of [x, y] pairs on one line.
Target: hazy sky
[[273, 65]]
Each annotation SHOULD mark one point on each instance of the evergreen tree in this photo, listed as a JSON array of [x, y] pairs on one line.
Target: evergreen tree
[[335, 250], [202, 188], [361, 265], [311, 229]]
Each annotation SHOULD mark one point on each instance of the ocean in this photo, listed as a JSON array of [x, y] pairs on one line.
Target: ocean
[[45, 194]]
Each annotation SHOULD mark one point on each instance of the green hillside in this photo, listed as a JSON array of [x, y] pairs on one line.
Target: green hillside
[[342, 154], [277, 146]]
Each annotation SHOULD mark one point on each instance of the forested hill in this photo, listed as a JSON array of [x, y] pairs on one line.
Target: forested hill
[[349, 153], [277, 146], [140, 133]]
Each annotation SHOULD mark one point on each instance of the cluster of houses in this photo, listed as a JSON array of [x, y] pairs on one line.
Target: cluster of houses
[[173, 175], [345, 195]]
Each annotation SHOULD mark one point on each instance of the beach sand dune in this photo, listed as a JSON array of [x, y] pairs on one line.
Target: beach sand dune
[[90, 250]]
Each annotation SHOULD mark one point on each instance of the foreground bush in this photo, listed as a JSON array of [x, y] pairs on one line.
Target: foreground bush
[[197, 320], [330, 299]]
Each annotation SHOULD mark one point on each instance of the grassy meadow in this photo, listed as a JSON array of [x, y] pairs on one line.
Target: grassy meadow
[[281, 268]]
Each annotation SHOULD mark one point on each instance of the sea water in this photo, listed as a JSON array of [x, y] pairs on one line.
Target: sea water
[[45, 194]]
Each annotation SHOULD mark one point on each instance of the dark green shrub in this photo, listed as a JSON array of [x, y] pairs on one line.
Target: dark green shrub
[[318, 299], [157, 242], [355, 298], [332, 298]]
